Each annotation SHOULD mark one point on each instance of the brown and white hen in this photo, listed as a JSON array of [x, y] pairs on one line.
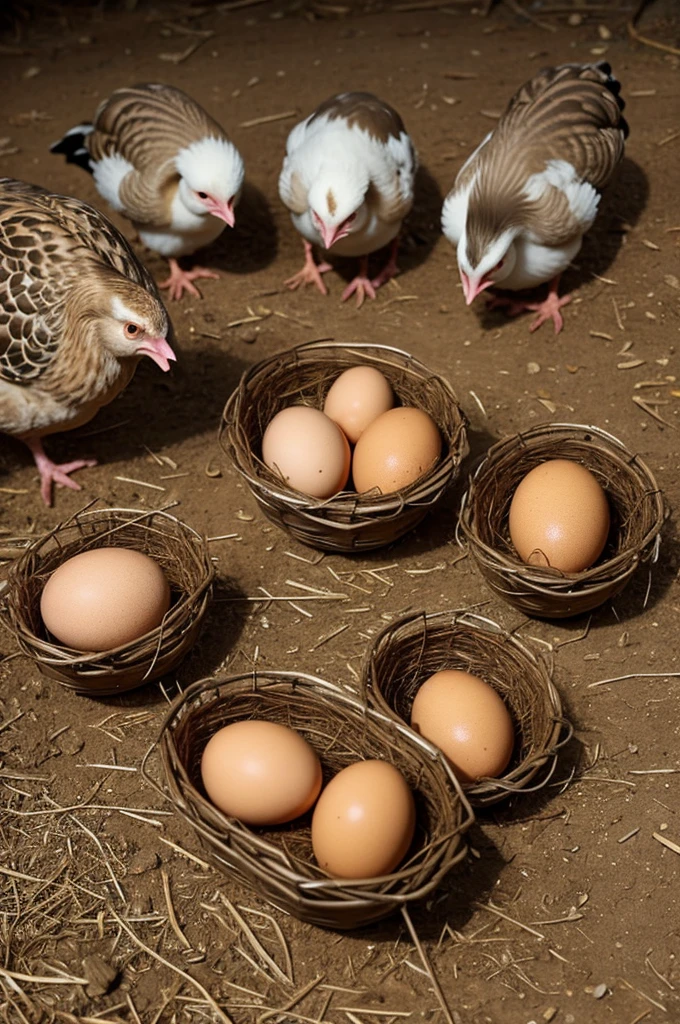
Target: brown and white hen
[[524, 199], [77, 312]]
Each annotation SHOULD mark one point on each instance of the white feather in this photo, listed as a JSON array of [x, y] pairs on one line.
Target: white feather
[[188, 231], [326, 153], [108, 174], [212, 165], [583, 199], [454, 212]]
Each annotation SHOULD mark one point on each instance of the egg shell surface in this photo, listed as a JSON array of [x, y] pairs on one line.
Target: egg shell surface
[[260, 772], [395, 450], [356, 398], [308, 449], [104, 598], [559, 516], [469, 722], [364, 821]]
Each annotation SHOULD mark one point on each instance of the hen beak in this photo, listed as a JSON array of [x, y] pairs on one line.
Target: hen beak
[[224, 209], [331, 235], [158, 350], [472, 287]]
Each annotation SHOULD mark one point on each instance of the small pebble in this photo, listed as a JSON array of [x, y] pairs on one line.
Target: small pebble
[[599, 991], [145, 860], [574, 20], [604, 32]]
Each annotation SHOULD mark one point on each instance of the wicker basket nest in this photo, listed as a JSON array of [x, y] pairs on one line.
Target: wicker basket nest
[[303, 375], [179, 550], [636, 508], [277, 862], [417, 645]]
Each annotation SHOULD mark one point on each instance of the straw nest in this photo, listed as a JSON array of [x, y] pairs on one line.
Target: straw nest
[[277, 862], [636, 509], [180, 551], [411, 649], [303, 375]]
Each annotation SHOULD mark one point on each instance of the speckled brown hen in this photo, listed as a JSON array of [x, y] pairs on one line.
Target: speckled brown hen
[[77, 312]]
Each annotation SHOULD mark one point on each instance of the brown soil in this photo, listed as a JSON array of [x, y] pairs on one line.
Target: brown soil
[[581, 865]]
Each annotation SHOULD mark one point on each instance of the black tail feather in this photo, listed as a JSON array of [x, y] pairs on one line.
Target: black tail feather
[[73, 147], [614, 87]]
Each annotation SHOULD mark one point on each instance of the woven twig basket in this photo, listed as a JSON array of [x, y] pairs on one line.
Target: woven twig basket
[[414, 647], [636, 508], [303, 375], [180, 551], [277, 862]]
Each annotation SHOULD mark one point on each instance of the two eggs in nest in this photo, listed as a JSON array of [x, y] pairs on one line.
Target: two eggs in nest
[[364, 819], [393, 445]]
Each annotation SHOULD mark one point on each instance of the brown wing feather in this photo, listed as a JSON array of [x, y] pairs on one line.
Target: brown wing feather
[[148, 124], [47, 243], [363, 110], [571, 113]]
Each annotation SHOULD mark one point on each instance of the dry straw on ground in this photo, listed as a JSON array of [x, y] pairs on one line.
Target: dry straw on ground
[[277, 862], [303, 375], [179, 550], [416, 646], [636, 507]]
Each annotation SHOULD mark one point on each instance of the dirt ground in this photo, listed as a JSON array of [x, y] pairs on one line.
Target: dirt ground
[[588, 887]]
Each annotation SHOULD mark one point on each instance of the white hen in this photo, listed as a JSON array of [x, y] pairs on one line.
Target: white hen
[[348, 179]]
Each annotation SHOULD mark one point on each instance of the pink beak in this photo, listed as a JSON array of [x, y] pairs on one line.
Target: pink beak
[[158, 350], [472, 287], [224, 210], [331, 235]]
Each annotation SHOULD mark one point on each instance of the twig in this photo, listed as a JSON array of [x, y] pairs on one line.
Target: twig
[[646, 407], [446, 1010], [666, 842], [517, 9], [293, 1001], [172, 916], [636, 675], [167, 963], [634, 34], [506, 917], [268, 119], [139, 483], [39, 980]]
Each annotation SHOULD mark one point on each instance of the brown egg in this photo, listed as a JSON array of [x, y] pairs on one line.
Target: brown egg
[[356, 398], [260, 772], [308, 449], [469, 722], [559, 516], [364, 821], [396, 449], [104, 598]]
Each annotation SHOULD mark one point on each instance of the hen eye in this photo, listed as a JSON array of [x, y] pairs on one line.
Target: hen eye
[[202, 195], [131, 330]]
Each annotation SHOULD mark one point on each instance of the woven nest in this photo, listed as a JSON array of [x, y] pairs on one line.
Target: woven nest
[[277, 862], [181, 553], [411, 649], [636, 509], [303, 375]]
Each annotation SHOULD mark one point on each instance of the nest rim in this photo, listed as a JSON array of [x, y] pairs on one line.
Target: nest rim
[[418, 644], [346, 520], [184, 556], [259, 856], [637, 510]]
